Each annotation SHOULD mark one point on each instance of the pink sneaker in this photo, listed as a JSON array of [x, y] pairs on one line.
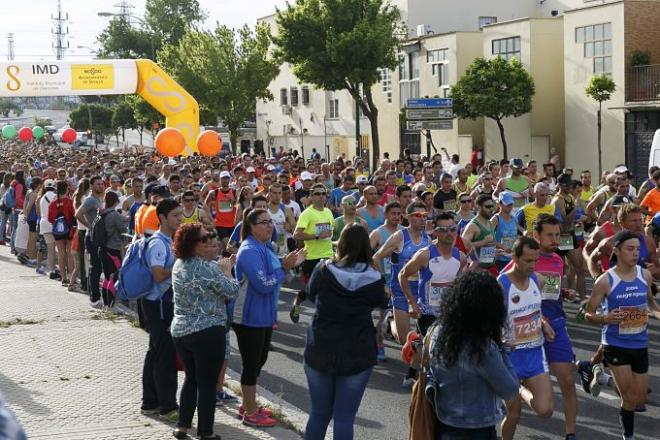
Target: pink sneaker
[[267, 412], [259, 420]]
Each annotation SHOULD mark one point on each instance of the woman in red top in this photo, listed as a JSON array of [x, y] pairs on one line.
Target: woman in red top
[[61, 215], [18, 184]]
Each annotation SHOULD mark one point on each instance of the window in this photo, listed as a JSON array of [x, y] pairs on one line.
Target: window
[[439, 65], [483, 21], [386, 81], [507, 48], [597, 44], [305, 95], [294, 96], [441, 70], [436, 55], [404, 69], [284, 100], [333, 106]]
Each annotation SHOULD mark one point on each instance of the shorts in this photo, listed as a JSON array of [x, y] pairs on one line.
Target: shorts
[[576, 245], [32, 225], [223, 232], [307, 268], [399, 300], [528, 362], [424, 322], [637, 358], [560, 350], [48, 237]]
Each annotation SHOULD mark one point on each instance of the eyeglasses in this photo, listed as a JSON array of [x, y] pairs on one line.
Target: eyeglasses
[[445, 229], [418, 214], [189, 200], [207, 237], [265, 222], [466, 201], [489, 206], [318, 194], [349, 203]]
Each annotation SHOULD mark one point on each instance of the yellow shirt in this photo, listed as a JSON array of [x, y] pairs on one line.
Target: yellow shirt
[[531, 211], [586, 194], [313, 222]]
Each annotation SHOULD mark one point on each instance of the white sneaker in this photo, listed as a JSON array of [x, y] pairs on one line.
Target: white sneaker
[[595, 382], [98, 304]]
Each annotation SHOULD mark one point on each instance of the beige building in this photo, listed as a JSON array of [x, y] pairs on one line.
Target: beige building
[[538, 44]]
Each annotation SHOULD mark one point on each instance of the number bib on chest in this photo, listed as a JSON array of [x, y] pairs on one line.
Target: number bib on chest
[[551, 288], [634, 321], [487, 255], [387, 268], [225, 205], [508, 241], [527, 328], [519, 203], [566, 242], [579, 230], [435, 291], [320, 227], [450, 205]]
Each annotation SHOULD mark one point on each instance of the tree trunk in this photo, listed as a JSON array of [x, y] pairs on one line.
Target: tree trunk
[[233, 138], [372, 113], [141, 130], [505, 150], [123, 134], [600, 152]]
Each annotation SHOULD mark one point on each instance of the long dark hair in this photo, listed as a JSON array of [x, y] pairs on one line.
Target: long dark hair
[[472, 315], [354, 246], [20, 178], [81, 191]]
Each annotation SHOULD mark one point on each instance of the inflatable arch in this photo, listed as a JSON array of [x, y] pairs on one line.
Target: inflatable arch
[[106, 77]]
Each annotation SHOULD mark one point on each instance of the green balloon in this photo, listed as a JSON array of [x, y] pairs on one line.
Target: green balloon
[[8, 131], [37, 132]]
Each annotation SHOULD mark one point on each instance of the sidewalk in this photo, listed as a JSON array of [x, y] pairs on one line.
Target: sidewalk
[[70, 372]]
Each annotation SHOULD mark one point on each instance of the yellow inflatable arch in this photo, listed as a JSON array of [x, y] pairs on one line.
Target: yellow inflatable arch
[[106, 77]]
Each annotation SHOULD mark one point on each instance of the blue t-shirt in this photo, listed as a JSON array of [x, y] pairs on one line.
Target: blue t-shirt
[[335, 198], [236, 234], [159, 253]]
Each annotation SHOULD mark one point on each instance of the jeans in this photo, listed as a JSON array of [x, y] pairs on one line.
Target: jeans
[[95, 270], [14, 227], [202, 353], [334, 397], [3, 224], [159, 375], [82, 272]]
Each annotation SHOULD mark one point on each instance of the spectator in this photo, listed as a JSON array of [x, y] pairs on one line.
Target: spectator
[[116, 225], [61, 216]]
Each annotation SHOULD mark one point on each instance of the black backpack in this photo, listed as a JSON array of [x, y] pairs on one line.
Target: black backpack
[[98, 231]]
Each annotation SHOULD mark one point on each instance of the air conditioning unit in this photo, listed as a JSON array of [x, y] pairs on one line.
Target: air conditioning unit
[[286, 109], [424, 29]]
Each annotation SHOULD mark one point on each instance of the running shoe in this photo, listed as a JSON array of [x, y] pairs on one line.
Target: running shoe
[[586, 375], [41, 270], [641, 408], [54, 275], [267, 412], [170, 416], [148, 411], [23, 258], [381, 354], [259, 420], [408, 382], [222, 397], [294, 314], [98, 304], [32, 263], [597, 371], [570, 437]]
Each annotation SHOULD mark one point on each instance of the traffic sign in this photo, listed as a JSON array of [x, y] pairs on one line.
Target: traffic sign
[[429, 103], [438, 124], [429, 113]]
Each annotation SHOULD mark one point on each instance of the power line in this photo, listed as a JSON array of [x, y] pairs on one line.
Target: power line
[[60, 31]]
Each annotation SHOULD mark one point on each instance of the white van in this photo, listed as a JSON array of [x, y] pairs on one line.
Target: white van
[[654, 156]]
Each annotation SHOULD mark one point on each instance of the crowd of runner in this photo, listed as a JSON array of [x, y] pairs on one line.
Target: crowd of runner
[[539, 229]]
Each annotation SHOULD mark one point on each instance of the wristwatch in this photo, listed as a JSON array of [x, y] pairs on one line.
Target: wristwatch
[[316, 237]]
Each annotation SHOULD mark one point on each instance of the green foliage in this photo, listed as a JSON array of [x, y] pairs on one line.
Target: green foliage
[[600, 88], [170, 19], [42, 122], [226, 70], [121, 40], [144, 114], [92, 116], [640, 58], [7, 105], [340, 44], [495, 89], [123, 118]]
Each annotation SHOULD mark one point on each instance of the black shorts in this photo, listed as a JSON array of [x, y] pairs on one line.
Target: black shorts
[[576, 245], [223, 232], [424, 322], [307, 268], [32, 225], [637, 358]]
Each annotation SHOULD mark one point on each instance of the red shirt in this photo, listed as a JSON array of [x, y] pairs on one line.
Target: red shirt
[[61, 206]]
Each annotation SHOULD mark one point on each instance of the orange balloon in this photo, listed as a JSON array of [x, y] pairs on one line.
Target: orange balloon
[[208, 143], [170, 142]]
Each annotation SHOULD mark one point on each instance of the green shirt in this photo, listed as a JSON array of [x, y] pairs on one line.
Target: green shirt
[[313, 222], [341, 224]]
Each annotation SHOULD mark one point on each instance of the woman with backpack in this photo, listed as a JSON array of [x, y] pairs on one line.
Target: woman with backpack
[[16, 199], [341, 341], [30, 213], [61, 215], [5, 211], [107, 230]]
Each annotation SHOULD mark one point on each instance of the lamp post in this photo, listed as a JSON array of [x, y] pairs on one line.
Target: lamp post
[[302, 138], [325, 138], [138, 19]]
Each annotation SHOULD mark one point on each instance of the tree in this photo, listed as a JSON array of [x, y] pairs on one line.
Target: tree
[[122, 40], [170, 19], [8, 105], [95, 117], [145, 115], [341, 44], [494, 89], [226, 70], [600, 89], [122, 119]]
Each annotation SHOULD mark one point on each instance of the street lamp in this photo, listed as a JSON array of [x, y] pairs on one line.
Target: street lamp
[[138, 19]]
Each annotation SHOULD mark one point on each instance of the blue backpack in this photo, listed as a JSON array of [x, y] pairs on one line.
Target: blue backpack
[[9, 199], [134, 279]]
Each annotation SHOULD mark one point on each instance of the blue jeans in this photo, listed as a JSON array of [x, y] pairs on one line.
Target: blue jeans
[[3, 224], [14, 226], [334, 397]]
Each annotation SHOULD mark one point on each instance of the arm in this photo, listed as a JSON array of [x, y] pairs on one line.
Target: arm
[[497, 370], [127, 204], [412, 267], [499, 187], [251, 266], [603, 248], [593, 204], [392, 244], [652, 266], [80, 216], [374, 239], [219, 283], [314, 284]]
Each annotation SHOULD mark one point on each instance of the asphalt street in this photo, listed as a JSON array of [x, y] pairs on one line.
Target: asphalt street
[[384, 409]]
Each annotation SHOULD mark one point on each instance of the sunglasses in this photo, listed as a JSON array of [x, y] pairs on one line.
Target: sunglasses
[[265, 222], [348, 203], [418, 214], [489, 206], [190, 200], [318, 194], [207, 237], [466, 201], [446, 229]]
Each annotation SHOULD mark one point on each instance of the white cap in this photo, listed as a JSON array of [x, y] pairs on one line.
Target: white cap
[[225, 174], [250, 170], [49, 183], [172, 162], [270, 168], [621, 169], [305, 175], [362, 179]]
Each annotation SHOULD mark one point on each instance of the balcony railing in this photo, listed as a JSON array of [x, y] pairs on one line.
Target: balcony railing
[[643, 83]]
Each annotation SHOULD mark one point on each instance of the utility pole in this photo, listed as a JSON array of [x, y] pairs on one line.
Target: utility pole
[[124, 9], [60, 31], [10, 46]]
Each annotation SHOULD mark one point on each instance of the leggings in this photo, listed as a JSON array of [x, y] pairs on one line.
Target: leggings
[[111, 261], [253, 343]]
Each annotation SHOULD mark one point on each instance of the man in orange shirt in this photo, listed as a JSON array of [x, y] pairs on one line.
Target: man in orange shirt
[[651, 203], [146, 219]]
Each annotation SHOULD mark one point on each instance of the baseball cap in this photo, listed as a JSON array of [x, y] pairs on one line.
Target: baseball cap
[[49, 183], [622, 169], [516, 162], [270, 168], [225, 174], [305, 175], [362, 179], [505, 198], [619, 200], [250, 170], [171, 162], [162, 191]]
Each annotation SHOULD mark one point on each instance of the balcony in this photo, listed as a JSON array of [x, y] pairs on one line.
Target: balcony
[[643, 83]]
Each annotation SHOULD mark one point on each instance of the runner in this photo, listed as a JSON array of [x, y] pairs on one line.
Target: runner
[[624, 295], [528, 213], [445, 197], [506, 229], [517, 184], [479, 235], [372, 213], [223, 202]]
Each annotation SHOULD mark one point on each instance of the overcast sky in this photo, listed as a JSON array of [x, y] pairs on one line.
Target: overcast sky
[[32, 25]]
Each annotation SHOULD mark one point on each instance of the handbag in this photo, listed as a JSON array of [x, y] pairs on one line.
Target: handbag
[[422, 421]]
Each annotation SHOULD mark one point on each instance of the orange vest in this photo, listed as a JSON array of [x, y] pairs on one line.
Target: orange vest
[[225, 209]]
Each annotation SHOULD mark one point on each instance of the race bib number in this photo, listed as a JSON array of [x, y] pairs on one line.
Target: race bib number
[[387, 268], [450, 205], [225, 205], [527, 328], [635, 320], [566, 242], [435, 292], [551, 288], [519, 203], [508, 242], [579, 230], [320, 227], [487, 255]]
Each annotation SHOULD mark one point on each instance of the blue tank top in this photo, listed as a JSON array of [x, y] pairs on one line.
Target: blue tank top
[[131, 212], [462, 224], [631, 297], [386, 263], [436, 278], [373, 222], [506, 233], [399, 259]]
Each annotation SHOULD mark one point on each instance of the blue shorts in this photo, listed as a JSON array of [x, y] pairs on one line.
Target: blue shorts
[[560, 350], [399, 300], [528, 362]]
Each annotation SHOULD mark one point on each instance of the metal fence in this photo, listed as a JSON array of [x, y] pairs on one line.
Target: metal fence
[[643, 83]]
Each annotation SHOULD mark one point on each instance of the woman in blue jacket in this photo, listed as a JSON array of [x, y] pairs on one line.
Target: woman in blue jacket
[[253, 312]]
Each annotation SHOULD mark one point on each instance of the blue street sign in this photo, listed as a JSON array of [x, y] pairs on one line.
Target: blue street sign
[[429, 103]]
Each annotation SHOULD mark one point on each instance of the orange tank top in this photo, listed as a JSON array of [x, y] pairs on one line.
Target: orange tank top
[[225, 209]]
